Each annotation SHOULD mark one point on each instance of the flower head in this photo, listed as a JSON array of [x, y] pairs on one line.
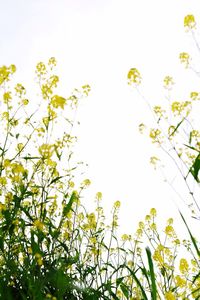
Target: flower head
[[134, 77], [189, 22]]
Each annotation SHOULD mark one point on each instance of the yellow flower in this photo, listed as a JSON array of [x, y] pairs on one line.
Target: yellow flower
[[169, 296], [169, 230], [53, 80], [178, 107], [185, 58], [168, 82], [6, 163], [5, 73], [139, 232], [3, 181], [119, 294], [189, 22], [170, 221], [141, 225], [12, 69], [86, 89], [99, 196], [177, 242], [71, 184], [2, 207], [7, 97], [5, 115], [17, 168], [39, 259], [195, 133], [41, 68], [30, 251], [46, 150], [183, 266], [20, 90], [115, 221], [53, 207], [180, 282], [158, 257], [194, 96], [158, 111], [45, 91], [134, 77], [86, 182], [58, 101], [147, 218], [126, 237], [153, 226], [52, 62], [93, 240], [38, 224], [15, 222], [117, 204], [154, 135], [153, 212], [25, 101], [8, 197], [130, 263], [154, 160], [20, 147]]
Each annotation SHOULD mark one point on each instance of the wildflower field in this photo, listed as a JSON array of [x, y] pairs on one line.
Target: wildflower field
[[51, 245]]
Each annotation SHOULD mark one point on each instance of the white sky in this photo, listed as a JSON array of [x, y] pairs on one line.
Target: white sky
[[97, 42]]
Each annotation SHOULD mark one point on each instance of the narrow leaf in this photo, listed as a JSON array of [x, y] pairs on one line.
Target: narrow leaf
[[68, 206], [138, 283], [194, 170], [177, 126], [152, 274], [191, 236]]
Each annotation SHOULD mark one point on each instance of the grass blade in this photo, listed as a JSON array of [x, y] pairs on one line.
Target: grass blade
[[191, 236], [138, 283], [152, 275]]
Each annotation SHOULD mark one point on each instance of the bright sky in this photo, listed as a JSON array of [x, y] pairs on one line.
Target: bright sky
[[97, 42]]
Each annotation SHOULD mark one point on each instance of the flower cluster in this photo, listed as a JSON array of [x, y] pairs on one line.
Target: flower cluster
[[134, 77]]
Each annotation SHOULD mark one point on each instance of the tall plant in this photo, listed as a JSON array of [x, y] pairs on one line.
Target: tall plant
[[176, 132]]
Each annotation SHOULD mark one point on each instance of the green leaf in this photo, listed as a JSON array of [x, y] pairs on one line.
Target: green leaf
[[55, 179], [177, 126], [17, 201], [191, 236], [57, 154], [138, 283], [190, 138], [119, 280], [68, 206], [107, 287], [34, 245], [125, 290], [1, 243], [152, 275], [191, 148], [194, 170], [6, 213], [146, 274], [196, 277], [30, 157]]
